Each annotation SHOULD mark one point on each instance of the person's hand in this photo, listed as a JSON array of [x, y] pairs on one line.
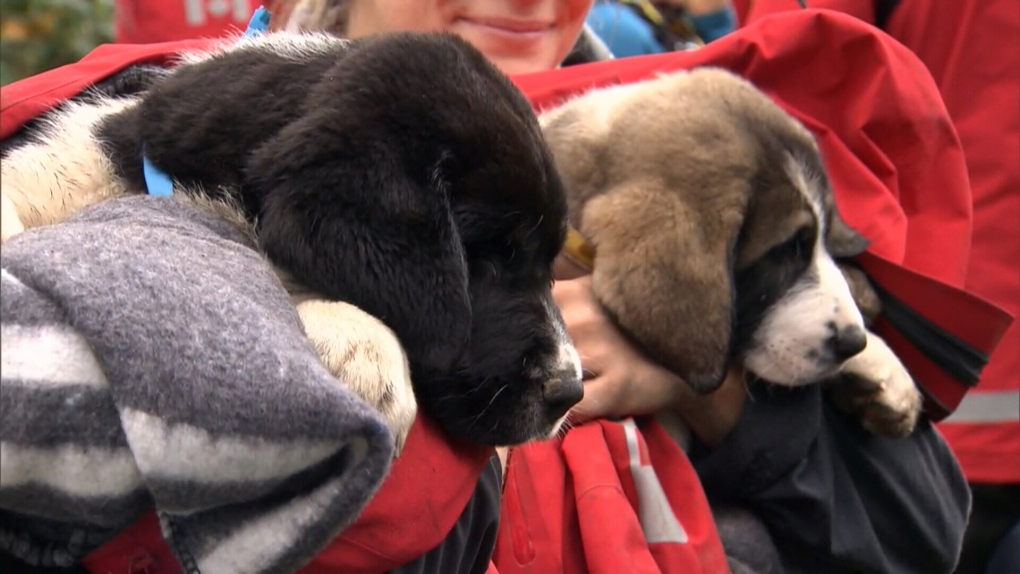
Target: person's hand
[[621, 381]]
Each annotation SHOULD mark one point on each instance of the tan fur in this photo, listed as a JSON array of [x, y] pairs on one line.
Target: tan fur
[[226, 209], [361, 351], [364, 353], [659, 179]]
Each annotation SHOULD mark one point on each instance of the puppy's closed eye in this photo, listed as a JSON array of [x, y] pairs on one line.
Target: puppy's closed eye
[[797, 246]]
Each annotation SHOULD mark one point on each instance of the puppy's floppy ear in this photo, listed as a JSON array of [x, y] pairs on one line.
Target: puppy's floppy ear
[[349, 221], [841, 240], [663, 270]]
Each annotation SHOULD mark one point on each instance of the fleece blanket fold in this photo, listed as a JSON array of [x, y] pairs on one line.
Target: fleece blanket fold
[[151, 358]]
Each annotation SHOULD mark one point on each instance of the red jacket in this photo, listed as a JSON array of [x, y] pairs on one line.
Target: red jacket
[[972, 49], [154, 21], [607, 498]]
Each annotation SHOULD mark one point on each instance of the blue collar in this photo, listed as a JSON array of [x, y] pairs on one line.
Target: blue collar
[[258, 23], [157, 182]]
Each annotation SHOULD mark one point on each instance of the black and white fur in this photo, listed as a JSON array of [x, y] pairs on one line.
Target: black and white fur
[[401, 176]]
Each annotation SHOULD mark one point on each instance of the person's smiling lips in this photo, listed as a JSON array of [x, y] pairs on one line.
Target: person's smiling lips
[[508, 30]]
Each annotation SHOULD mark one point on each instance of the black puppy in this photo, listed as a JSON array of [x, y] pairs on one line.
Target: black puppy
[[402, 174]]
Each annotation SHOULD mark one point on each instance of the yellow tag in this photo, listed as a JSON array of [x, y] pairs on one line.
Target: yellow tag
[[578, 249]]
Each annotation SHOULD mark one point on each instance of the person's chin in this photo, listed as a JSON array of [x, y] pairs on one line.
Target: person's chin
[[514, 64]]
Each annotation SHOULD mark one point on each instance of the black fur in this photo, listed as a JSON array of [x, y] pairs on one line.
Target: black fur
[[403, 174], [762, 284]]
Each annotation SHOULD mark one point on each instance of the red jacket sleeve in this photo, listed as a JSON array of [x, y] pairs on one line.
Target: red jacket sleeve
[[427, 489], [26, 99]]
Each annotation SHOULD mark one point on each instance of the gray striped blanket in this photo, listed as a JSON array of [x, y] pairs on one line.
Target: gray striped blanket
[[151, 359]]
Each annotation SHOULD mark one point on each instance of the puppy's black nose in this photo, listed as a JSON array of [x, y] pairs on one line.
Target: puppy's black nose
[[848, 342], [562, 392]]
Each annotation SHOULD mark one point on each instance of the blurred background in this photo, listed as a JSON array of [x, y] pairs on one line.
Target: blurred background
[[37, 35]]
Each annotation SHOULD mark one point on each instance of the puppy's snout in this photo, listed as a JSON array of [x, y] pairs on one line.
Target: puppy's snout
[[562, 392], [847, 342]]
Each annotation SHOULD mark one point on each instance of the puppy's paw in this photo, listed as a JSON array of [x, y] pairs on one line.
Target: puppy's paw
[[10, 223], [365, 354], [875, 386]]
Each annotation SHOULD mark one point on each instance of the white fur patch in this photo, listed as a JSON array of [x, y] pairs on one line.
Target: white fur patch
[[297, 47], [304, 46], [10, 223], [567, 359]]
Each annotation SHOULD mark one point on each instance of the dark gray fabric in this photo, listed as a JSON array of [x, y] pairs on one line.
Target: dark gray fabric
[[76, 538], [151, 356], [1005, 557], [996, 510], [834, 497], [748, 545]]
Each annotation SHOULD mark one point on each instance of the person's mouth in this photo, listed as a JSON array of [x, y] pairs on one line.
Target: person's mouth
[[509, 28]]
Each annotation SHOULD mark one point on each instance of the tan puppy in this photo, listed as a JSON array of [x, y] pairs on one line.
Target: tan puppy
[[708, 221]]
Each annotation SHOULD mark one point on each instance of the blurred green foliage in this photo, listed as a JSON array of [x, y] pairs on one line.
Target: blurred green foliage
[[37, 35]]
